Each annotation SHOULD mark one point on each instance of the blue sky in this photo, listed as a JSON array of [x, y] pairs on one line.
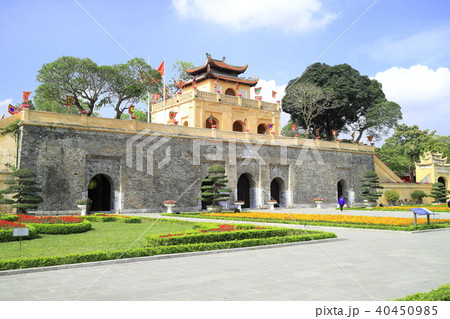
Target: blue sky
[[405, 44]]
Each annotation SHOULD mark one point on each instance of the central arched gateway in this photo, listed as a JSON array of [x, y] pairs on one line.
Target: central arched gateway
[[99, 191]]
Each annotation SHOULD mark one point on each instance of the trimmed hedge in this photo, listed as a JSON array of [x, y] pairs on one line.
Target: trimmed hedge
[[440, 294], [151, 251], [7, 234], [9, 218], [60, 229], [158, 240], [118, 218]]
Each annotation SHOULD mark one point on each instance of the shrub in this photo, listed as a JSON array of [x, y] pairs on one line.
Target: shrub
[[214, 190], [104, 218], [23, 189], [439, 193], [6, 234], [418, 195], [59, 229], [370, 186], [440, 294], [392, 195], [211, 237], [10, 218]]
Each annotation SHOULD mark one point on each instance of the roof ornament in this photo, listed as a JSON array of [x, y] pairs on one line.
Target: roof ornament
[[223, 59]]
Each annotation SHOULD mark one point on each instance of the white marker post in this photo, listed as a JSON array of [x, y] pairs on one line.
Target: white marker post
[[21, 232]]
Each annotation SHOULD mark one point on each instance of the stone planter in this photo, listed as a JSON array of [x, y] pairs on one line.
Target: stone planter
[[239, 204], [169, 208], [369, 204], [83, 209], [318, 203], [272, 205], [214, 209]]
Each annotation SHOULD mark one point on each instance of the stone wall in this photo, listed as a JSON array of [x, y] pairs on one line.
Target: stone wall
[[145, 168]]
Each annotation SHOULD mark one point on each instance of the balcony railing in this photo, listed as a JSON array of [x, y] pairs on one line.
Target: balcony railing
[[216, 97]]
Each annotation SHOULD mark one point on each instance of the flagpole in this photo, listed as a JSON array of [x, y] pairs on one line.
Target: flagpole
[[148, 95], [164, 91]]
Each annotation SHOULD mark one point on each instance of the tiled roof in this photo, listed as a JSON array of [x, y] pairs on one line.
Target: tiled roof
[[218, 65]]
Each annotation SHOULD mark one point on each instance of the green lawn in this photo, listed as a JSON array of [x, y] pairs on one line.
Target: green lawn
[[103, 237]]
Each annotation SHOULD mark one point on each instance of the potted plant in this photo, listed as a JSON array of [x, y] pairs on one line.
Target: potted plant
[[169, 204], [318, 201], [214, 191], [369, 188], [272, 203], [418, 196], [392, 196], [82, 204]]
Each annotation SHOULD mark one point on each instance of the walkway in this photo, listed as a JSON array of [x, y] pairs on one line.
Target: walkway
[[369, 265]]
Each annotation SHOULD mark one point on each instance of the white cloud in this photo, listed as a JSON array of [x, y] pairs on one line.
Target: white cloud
[[287, 15], [427, 47], [266, 92], [423, 94]]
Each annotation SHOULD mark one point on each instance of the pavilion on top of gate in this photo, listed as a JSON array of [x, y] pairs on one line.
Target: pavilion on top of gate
[[217, 96]]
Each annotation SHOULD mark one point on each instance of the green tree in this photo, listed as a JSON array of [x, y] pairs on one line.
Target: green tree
[[370, 186], [128, 83], [23, 191], [377, 119], [179, 70], [403, 149], [305, 102], [215, 191], [439, 193], [287, 130], [140, 115], [352, 94], [82, 79]]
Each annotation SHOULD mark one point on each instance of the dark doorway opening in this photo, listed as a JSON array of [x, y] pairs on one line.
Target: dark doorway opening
[[261, 129], [275, 192], [237, 126], [99, 191], [442, 180], [340, 189], [230, 92], [243, 190]]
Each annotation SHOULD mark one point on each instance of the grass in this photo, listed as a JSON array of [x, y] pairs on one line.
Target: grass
[[104, 237]]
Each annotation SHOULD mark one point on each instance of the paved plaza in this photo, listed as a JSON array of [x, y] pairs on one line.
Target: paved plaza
[[367, 265]]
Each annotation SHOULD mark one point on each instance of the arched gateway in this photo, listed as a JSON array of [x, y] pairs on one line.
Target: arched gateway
[[99, 191]]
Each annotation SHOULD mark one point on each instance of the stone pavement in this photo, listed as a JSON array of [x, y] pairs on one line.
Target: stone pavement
[[369, 265]]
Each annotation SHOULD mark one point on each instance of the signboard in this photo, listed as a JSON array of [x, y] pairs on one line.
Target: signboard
[[25, 231]]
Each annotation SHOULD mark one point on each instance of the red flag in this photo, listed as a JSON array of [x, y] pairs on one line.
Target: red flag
[[25, 96], [161, 68]]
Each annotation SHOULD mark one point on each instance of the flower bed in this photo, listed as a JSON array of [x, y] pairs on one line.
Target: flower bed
[[330, 220], [56, 224], [6, 231]]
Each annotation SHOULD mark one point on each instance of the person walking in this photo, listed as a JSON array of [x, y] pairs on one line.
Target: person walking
[[341, 202]]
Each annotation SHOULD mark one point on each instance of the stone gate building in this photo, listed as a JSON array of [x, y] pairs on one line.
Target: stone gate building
[[130, 166]]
